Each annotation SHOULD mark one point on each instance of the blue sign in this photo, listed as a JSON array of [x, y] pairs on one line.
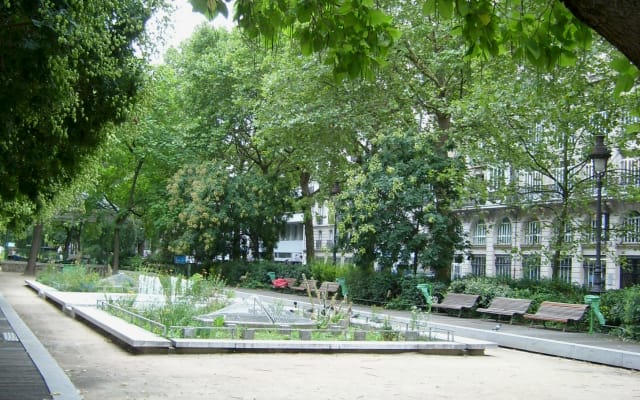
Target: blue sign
[[183, 260]]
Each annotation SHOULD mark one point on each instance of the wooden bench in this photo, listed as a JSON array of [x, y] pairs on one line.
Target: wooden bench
[[306, 284], [458, 302], [291, 282], [504, 306], [550, 311], [328, 288]]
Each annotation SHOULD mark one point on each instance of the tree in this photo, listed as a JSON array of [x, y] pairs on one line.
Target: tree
[[136, 167], [358, 35], [67, 70], [392, 211], [217, 210], [224, 147]]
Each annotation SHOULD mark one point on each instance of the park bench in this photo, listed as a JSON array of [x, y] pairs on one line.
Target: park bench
[[328, 288], [550, 311], [458, 302], [283, 283], [504, 306], [306, 284]]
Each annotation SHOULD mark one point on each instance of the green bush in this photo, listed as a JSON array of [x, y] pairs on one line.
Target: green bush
[[373, 288], [255, 274], [71, 278], [622, 308], [537, 290], [487, 288], [324, 272]]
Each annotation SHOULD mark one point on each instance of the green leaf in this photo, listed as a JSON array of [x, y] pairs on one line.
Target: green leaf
[[620, 64], [567, 58], [377, 17], [463, 7], [429, 7], [445, 8], [632, 128], [484, 19], [624, 83]]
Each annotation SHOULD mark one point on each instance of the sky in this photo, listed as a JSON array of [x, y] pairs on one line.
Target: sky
[[183, 22]]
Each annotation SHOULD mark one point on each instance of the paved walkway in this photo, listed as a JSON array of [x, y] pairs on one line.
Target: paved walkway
[[28, 371]]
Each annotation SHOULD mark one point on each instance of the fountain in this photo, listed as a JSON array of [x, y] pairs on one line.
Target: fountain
[[251, 312], [152, 292]]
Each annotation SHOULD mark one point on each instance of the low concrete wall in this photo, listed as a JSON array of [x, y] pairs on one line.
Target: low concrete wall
[[21, 266], [17, 266]]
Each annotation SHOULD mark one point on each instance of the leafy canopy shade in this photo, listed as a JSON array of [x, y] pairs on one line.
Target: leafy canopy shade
[[67, 69]]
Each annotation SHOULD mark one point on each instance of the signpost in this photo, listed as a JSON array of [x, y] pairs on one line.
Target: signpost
[[185, 260]]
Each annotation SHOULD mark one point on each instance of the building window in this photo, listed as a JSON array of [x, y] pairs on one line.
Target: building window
[[532, 233], [568, 235], [293, 232], [630, 172], [478, 265], [503, 266], [558, 181], [531, 267], [632, 228], [479, 233], [496, 178], [532, 181], [565, 270], [566, 231], [589, 265], [504, 232]]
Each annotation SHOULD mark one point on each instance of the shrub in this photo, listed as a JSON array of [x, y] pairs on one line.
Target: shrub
[[323, 272], [410, 296], [72, 278], [622, 308], [487, 288], [369, 287], [255, 274]]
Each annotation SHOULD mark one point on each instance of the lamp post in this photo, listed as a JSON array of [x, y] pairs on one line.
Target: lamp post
[[599, 156], [335, 190]]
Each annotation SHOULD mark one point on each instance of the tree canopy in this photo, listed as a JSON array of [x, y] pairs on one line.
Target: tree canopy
[[357, 34], [67, 70]]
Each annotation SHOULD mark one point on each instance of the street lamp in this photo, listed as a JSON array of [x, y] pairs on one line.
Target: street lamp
[[335, 190], [599, 156]]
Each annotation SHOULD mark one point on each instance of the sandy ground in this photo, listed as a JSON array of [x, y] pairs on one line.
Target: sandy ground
[[102, 370]]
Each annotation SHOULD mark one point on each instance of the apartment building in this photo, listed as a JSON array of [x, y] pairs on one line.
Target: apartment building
[[518, 241]]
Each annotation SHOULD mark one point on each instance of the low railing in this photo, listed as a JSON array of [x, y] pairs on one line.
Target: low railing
[[132, 317]]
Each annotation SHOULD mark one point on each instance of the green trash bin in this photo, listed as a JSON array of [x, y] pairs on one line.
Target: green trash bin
[[594, 310], [425, 288], [343, 286], [272, 276]]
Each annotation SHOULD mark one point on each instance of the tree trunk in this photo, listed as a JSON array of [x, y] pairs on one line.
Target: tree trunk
[[616, 21], [36, 240], [122, 215], [305, 178], [236, 253], [115, 262]]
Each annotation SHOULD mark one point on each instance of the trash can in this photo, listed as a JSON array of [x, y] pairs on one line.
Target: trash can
[[594, 310], [425, 288], [343, 286], [272, 276]]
